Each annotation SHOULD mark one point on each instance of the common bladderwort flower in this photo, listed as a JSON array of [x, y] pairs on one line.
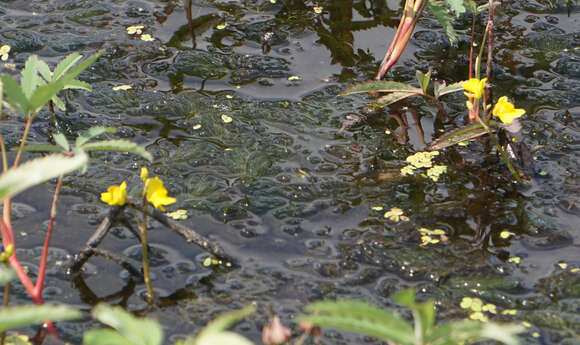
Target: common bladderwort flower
[[155, 192], [474, 87], [115, 195], [506, 111]]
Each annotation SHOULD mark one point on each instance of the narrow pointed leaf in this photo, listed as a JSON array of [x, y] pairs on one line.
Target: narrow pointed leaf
[[78, 84], [65, 64], [29, 76], [44, 93], [37, 171], [392, 98], [61, 141], [118, 145], [44, 70], [14, 317], [358, 309], [467, 132], [137, 331], [93, 132], [380, 86], [225, 321], [423, 79], [105, 336], [42, 148], [58, 102], [451, 88], [14, 95]]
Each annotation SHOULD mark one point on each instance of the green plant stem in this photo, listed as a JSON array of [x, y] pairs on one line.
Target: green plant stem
[[24, 136], [5, 303], [145, 252], [502, 152]]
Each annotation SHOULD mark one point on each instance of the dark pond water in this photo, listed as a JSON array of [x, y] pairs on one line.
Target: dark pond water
[[284, 187]]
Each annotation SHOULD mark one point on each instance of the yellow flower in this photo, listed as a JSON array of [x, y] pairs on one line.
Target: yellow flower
[[115, 195], [157, 194], [474, 87], [506, 111]]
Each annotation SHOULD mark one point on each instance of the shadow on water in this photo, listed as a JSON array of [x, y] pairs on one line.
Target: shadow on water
[[297, 184]]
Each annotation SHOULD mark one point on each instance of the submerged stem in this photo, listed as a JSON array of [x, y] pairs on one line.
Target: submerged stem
[[502, 152]]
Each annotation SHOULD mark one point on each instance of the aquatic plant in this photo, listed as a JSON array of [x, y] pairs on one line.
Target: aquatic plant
[[363, 318]]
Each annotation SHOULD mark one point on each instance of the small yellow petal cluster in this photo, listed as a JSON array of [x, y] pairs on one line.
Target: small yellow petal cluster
[[506, 111], [477, 307], [4, 50], [155, 192], [436, 171], [428, 236], [395, 214], [135, 29], [115, 195], [474, 87]]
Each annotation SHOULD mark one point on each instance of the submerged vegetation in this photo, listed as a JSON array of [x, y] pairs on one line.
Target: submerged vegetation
[[37, 96]]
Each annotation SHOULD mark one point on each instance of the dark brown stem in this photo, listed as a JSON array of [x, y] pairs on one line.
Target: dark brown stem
[[489, 53]]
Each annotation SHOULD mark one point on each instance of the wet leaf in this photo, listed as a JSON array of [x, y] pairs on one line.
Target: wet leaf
[[393, 97], [118, 145], [380, 86], [454, 137]]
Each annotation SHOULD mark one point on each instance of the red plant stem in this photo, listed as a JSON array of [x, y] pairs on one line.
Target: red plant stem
[[471, 47], [489, 52], [44, 258]]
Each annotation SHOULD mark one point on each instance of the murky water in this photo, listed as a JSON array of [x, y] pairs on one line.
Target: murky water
[[284, 187]]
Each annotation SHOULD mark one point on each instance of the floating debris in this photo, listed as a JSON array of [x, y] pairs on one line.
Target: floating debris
[[318, 9], [122, 87], [221, 26], [226, 119], [515, 259], [147, 38], [294, 78], [197, 126], [396, 214], [178, 214], [135, 29], [506, 234], [4, 50], [377, 208]]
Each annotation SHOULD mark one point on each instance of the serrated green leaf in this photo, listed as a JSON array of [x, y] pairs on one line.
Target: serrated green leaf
[[392, 98], [61, 141], [6, 275], [14, 95], [361, 326], [105, 336], [65, 64], [42, 148], [358, 309], [29, 76], [445, 19], [58, 102], [118, 145], [137, 331], [44, 70], [225, 321], [44, 93], [14, 317], [91, 133], [380, 86], [78, 84], [457, 6], [36, 171]]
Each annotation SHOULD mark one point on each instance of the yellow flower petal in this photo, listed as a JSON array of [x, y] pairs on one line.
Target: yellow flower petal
[[506, 111], [115, 195], [474, 87], [157, 194]]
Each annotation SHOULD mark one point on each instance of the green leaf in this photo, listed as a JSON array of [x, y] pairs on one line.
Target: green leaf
[[423, 79], [380, 86], [451, 333], [29, 79], [42, 148], [405, 297], [6, 275], [14, 317], [78, 84], [58, 102], [225, 321], [44, 70], [44, 93], [104, 336], [392, 98], [136, 331], [457, 6], [92, 133], [220, 338], [36, 171], [426, 314], [14, 95], [360, 317], [440, 90], [65, 64], [467, 132], [61, 141], [445, 19], [118, 145]]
